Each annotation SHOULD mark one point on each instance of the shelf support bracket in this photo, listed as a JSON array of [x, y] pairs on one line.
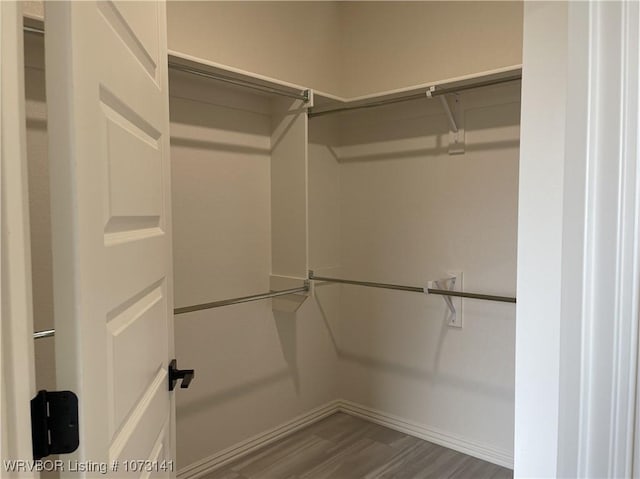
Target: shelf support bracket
[[307, 98], [447, 109], [452, 283], [455, 116]]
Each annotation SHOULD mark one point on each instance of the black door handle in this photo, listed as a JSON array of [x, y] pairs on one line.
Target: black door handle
[[175, 374]]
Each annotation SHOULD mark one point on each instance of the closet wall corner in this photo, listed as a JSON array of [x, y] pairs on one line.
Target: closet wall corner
[[391, 209]]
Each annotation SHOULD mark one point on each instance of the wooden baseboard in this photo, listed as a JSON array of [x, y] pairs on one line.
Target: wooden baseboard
[[230, 454], [219, 459]]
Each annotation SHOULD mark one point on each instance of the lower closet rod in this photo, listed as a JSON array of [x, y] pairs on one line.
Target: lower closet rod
[[243, 299], [415, 289], [215, 304], [47, 333]]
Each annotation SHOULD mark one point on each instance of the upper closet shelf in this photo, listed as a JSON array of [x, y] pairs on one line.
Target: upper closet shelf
[[326, 104], [204, 68]]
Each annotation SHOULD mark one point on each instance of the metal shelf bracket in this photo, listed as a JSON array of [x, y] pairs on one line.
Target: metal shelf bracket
[[455, 116], [454, 304]]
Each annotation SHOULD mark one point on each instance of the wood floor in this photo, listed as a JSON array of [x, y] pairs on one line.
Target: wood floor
[[345, 447]]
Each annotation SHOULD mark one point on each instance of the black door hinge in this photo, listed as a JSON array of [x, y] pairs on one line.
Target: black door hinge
[[54, 423]]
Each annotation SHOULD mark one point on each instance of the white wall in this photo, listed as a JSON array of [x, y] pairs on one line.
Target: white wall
[[389, 45], [255, 369], [293, 41], [351, 48], [408, 212]]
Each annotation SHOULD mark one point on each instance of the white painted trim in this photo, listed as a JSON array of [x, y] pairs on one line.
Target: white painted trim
[[498, 72], [219, 459], [472, 448], [190, 60], [578, 241], [216, 461], [186, 59], [611, 266], [16, 324]]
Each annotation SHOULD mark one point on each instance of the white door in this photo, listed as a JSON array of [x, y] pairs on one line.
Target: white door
[[107, 94]]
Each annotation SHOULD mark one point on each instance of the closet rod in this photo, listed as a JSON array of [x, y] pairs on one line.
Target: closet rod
[[244, 299], [415, 96], [47, 333], [38, 31], [216, 304], [304, 95], [415, 289]]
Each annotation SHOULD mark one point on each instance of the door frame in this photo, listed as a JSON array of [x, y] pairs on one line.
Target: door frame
[[16, 326], [578, 241]]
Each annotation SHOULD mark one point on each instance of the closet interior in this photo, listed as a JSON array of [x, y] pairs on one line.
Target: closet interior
[[369, 203], [238, 145], [323, 250]]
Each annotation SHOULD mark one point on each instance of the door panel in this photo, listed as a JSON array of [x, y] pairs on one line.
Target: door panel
[[108, 110], [129, 380], [138, 27]]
